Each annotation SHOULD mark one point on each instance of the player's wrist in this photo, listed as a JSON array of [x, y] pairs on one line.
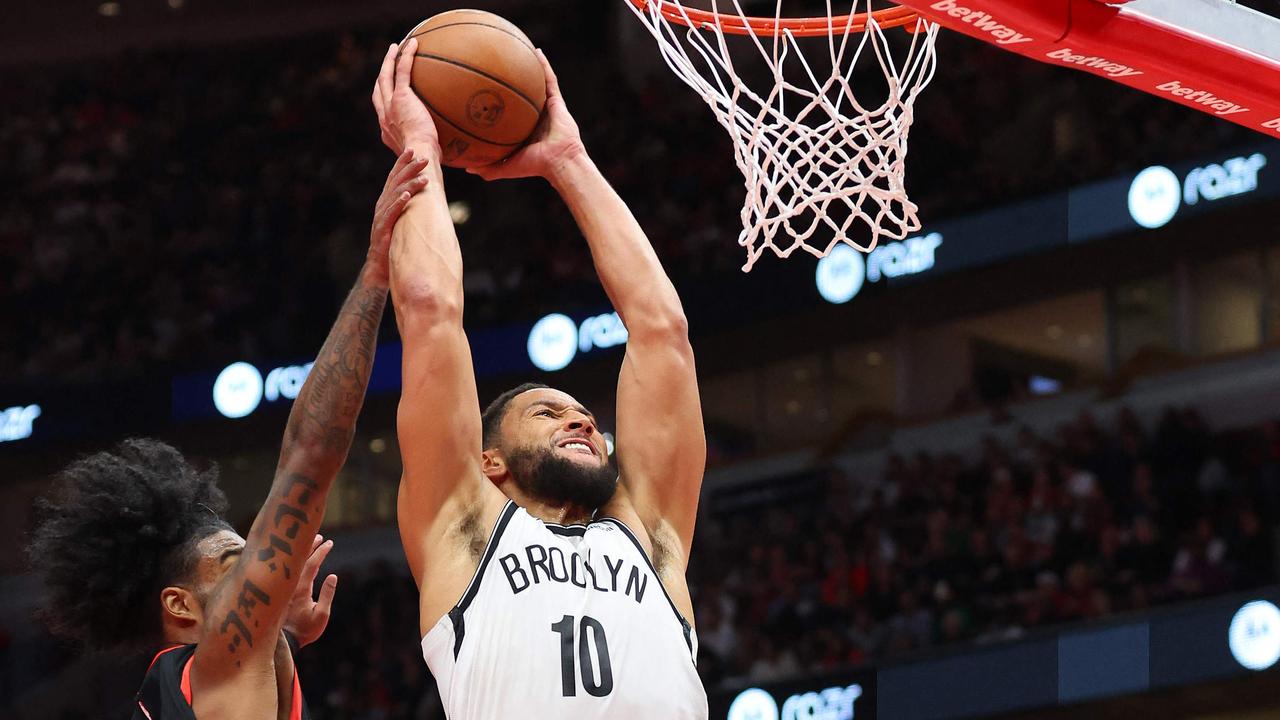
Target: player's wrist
[[376, 271], [424, 147], [566, 169]]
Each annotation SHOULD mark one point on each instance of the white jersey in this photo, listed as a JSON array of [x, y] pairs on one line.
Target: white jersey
[[565, 621]]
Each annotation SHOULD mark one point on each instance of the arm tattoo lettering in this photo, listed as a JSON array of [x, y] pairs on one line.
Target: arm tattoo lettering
[[323, 422], [308, 485], [241, 636], [268, 554], [324, 414], [292, 513], [250, 596]]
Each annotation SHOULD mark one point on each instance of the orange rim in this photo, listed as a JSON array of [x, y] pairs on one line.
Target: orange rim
[[896, 16]]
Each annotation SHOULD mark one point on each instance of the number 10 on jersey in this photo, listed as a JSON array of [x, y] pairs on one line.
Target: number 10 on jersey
[[596, 683]]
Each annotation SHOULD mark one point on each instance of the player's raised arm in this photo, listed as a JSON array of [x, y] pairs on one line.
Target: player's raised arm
[[439, 417], [244, 618], [661, 442]]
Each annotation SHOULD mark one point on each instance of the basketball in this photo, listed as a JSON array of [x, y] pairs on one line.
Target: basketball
[[481, 79]]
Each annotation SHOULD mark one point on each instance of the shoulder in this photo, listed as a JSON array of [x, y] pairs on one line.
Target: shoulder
[[166, 687], [171, 658]]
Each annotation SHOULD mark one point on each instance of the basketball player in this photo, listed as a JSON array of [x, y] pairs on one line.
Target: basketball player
[[134, 551], [551, 583]]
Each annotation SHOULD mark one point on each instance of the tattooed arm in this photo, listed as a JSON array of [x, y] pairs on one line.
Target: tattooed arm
[[243, 618]]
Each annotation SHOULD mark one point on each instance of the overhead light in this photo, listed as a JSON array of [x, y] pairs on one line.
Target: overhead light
[[109, 9], [177, 4], [377, 446]]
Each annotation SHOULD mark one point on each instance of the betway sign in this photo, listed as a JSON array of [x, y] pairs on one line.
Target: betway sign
[[1157, 193], [842, 273], [983, 21]]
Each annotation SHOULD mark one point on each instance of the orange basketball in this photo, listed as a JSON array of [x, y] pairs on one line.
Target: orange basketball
[[483, 83]]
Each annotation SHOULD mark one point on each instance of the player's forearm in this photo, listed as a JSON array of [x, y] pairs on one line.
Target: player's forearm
[[625, 261], [316, 441], [323, 420], [426, 262]]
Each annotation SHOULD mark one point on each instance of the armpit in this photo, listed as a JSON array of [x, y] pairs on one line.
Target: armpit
[[469, 532], [664, 539]]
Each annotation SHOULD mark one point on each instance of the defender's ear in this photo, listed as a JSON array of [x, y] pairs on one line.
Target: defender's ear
[[493, 465], [181, 607]]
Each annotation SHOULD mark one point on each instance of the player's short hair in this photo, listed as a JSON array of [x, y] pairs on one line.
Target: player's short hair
[[118, 527], [491, 419]]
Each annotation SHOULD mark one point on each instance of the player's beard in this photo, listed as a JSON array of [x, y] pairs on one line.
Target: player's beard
[[547, 476]]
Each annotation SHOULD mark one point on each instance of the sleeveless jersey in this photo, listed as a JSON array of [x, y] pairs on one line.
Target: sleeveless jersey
[[166, 689], [565, 621]]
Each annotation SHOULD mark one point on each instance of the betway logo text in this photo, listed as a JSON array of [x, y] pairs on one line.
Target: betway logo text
[[981, 20], [1101, 64], [1220, 106]]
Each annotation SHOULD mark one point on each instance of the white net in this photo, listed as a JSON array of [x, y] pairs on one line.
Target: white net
[[820, 166]]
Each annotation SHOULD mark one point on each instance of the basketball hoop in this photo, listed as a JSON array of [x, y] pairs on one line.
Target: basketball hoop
[[812, 156]]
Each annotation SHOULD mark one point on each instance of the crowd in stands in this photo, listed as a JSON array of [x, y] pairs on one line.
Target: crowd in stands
[[1102, 518], [181, 208], [1094, 521]]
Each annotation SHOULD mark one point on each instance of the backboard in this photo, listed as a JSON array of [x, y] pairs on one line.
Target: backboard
[[1216, 56]]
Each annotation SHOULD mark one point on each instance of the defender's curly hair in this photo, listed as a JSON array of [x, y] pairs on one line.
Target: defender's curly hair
[[118, 527]]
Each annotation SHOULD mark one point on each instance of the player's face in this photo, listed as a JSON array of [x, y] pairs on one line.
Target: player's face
[[547, 418], [555, 450], [219, 553]]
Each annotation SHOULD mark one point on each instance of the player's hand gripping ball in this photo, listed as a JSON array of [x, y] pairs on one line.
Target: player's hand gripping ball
[[482, 82]]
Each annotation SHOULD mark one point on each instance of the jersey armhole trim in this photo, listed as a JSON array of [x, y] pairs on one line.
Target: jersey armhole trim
[[456, 615], [684, 624], [490, 548]]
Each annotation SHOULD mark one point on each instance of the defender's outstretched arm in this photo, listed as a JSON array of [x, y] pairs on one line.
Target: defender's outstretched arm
[[246, 616], [661, 441], [439, 416]]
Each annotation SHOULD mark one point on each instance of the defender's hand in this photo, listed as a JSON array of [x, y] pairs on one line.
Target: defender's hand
[[307, 618], [554, 143], [407, 179], [402, 116]]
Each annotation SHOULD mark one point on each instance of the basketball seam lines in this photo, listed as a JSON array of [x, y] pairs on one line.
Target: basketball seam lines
[[495, 27], [481, 73], [458, 127]]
